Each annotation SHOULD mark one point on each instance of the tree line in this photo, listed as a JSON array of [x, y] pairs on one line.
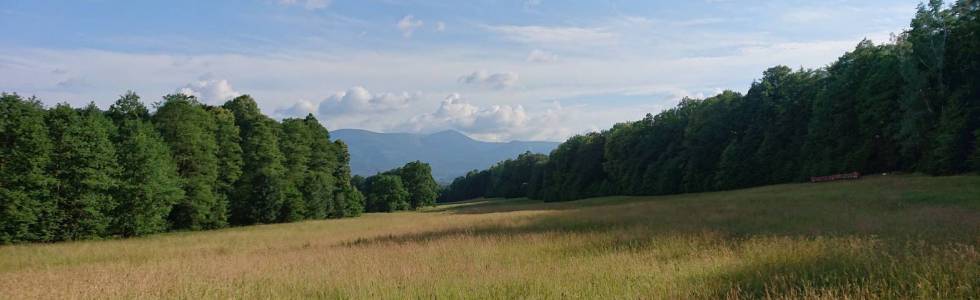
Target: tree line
[[909, 105], [409, 187], [80, 173]]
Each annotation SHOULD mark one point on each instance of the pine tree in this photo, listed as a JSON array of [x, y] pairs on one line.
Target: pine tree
[[261, 191], [26, 206], [189, 131], [148, 184], [84, 164]]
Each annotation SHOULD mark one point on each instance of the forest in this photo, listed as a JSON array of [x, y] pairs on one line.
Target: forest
[[910, 105], [82, 173]]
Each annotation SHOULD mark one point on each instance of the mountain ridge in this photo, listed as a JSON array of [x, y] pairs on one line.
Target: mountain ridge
[[449, 152]]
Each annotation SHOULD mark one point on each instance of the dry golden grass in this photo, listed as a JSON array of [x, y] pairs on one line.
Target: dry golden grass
[[881, 237]]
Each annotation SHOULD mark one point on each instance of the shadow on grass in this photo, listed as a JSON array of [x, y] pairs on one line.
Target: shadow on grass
[[846, 269], [828, 274], [762, 226], [504, 205], [881, 207]]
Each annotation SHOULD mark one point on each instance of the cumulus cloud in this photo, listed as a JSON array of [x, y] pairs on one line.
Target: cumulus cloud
[[492, 122], [210, 90], [299, 109], [308, 4], [359, 100], [541, 56], [455, 113], [408, 24], [495, 80]]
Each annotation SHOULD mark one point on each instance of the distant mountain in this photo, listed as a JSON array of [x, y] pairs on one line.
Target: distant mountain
[[450, 152]]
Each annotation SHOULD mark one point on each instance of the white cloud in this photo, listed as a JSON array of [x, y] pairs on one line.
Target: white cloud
[[541, 56], [408, 24], [504, 122], [210, 90], [359, 100], [440, 26], [308, 4], [316, 74], [496, 80], [554, 35], [299, 109], [494, 122]]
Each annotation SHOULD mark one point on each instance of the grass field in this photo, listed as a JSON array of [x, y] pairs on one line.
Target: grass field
[[879, 237]]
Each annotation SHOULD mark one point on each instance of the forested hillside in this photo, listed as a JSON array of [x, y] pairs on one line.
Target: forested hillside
[[909, 105], [450, 153], [70, 174]]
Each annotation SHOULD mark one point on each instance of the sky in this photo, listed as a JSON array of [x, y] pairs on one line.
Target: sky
[[494, 70]]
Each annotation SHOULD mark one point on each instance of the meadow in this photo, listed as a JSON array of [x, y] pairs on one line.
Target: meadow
[[880, 237]]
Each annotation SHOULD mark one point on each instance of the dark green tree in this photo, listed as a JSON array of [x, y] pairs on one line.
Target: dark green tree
[[296, 145], [27, 209], [262, 189], [422, 188], [951, 147], [84, 164], [322, 182], [128, 107], [348, 198], [386, 194], [923, 65], [148, 182], [229, 156], [189, 129]]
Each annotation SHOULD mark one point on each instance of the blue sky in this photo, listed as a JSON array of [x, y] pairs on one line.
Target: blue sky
[[495, 70]]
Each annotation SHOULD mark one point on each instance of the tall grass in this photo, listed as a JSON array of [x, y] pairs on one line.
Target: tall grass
[[879, 237]]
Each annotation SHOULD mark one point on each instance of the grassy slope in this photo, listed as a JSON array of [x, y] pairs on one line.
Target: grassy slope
[[880, 237]]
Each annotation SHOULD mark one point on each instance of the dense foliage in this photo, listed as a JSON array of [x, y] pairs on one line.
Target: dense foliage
[[408, 187], [69, 174], [508, 179], [909, 105]]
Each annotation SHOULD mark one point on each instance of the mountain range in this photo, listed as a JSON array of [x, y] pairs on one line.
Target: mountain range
[[450, 153]]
